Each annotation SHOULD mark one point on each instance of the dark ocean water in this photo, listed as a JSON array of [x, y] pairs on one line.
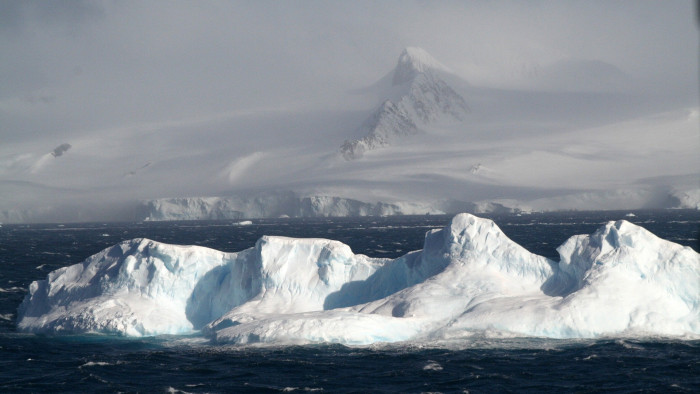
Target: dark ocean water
[[32, 363]]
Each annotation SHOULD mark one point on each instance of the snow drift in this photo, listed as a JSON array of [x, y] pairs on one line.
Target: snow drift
[[469, 278]]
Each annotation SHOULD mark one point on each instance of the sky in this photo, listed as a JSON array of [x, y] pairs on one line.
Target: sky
[[103, 70]]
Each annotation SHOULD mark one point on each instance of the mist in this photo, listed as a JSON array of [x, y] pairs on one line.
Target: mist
[[107, 103]]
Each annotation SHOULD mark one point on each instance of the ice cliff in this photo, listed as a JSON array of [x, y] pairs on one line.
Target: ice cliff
[[274, 205], [418, 97], [619, 281], [283, 204]]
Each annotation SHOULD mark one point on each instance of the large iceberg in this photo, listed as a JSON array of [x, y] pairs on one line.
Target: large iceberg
[[469, 278]]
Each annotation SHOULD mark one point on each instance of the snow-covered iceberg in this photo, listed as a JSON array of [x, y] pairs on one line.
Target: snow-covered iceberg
[[469, 278]]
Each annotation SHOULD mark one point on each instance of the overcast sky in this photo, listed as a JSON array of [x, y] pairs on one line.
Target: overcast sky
[[85, 66], [117, 79]]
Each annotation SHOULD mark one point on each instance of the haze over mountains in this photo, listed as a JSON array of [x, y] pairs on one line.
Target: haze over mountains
[[416, 98], [573, 132]]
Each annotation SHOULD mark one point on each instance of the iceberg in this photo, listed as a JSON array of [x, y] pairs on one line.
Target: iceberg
[[469, 278]]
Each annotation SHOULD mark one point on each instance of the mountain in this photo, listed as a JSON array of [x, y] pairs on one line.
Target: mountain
[[412, 145], [418, 97]]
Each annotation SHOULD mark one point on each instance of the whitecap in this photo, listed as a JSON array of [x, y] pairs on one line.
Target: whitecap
[[173, 390], [628, 345], [432, 366], [14, 289], [96, 363]]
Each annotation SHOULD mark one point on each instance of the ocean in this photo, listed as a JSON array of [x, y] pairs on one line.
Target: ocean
[[190, 364]]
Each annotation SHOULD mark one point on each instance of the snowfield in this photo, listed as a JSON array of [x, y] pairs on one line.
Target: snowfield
[[469, 278], [418, 137]]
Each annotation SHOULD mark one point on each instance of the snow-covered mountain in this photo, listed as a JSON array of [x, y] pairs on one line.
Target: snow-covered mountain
[[417, 97], [422, 150]]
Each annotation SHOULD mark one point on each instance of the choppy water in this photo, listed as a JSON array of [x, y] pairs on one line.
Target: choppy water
[[33, 363]]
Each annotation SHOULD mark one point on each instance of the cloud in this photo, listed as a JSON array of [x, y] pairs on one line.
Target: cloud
[[46, 158], [238, 168], [40, 163], [151, 81], [151, 61]]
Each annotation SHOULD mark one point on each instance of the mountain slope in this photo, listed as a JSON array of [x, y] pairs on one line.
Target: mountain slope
[[422, 98], [538, 148]]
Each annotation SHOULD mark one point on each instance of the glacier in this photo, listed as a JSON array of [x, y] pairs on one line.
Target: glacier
[[468, 279], [274, 205], [289, 204]]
